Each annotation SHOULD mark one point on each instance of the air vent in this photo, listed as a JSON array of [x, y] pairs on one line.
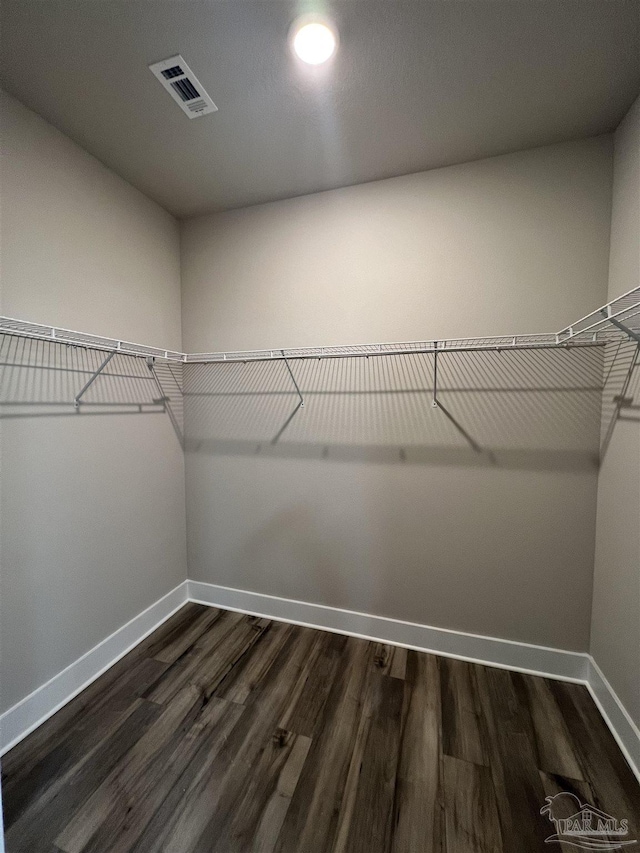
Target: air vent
[[183, 86]]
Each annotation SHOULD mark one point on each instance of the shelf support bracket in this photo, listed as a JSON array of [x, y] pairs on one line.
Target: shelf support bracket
[[76, 402], [162, 399], [434, 401], [300, 405], [293, 379], [438, 405], [634, 335]]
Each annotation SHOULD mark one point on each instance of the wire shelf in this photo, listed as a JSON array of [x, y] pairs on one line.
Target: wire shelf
[[36, 331], [535, 401], [604, 323], [504, 342], [487, 392], [617, 320]]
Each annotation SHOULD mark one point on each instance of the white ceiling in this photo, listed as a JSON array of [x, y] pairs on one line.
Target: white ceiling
[[415, 85]]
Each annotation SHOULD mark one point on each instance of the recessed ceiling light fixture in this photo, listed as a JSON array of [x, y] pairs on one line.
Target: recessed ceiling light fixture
[[313, 41]]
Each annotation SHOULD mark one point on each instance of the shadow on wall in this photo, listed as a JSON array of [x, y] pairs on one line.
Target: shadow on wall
[[544, 409], [550, 409], [621, 388], [44, 379]]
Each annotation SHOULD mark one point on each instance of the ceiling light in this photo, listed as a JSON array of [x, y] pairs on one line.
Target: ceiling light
[[314, 42]]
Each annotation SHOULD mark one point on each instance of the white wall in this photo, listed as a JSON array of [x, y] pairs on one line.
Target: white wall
[[615, 633], [93, 519], [512, 244]]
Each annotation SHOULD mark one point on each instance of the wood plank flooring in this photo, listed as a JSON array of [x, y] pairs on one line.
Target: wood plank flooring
[[228, 733]]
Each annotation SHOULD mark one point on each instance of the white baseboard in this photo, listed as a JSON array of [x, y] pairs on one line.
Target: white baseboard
[[30, 712], [506, 654], [616, 716], [17, 722]]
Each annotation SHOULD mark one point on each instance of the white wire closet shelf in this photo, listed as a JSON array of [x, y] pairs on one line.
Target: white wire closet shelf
[[617, 320], [36, 331]]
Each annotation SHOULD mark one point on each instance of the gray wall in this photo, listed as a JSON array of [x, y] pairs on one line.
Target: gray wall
[[93, 519], [403, 519], [615, 632]]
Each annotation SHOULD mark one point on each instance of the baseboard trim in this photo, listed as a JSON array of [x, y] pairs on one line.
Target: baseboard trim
[[25, 716], [558, 664], [615, 715], [506, 654]]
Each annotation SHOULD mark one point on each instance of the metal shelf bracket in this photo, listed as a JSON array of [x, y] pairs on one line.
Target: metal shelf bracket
[[299, 406], [92, 379], [622, 326], [434, 401], [293, 379]]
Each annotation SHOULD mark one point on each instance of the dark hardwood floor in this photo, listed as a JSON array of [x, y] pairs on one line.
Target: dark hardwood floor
[[224, 732]]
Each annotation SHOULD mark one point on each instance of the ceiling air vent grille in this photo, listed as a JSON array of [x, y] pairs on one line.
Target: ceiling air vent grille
[[183, 86]]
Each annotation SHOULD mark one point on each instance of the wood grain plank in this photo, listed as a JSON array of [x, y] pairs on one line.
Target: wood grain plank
[[471, 812], [124, 780], [258, 819], [518, 787], [211, 796], [212, 671], [615, 786], [183, 638], [304, 715], [267, 831], [554, 746], [38, 826], [419, 808], [371, 697], [56, 756], [554, 784], [241, 763], [223, 633], [390, 660], [312, 819], [50, 751], [155, 800], [372, 774], [242, 680], [462, 730], [174, 626]]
